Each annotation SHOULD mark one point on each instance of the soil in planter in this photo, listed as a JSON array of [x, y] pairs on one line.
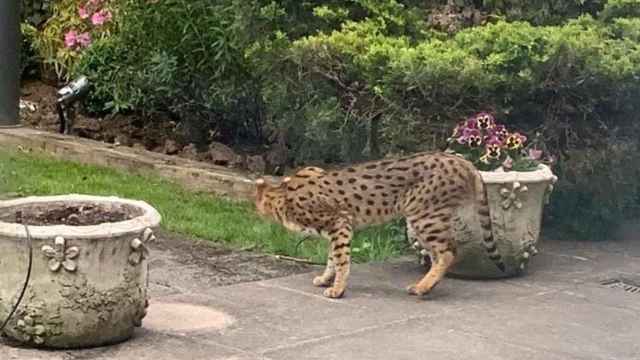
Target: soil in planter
[[75, 215]]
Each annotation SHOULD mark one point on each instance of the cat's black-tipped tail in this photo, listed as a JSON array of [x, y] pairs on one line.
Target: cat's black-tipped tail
[[485, 222]]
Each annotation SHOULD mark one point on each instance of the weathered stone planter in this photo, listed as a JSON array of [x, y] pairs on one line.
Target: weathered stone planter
[[516, 200], [88, 285]]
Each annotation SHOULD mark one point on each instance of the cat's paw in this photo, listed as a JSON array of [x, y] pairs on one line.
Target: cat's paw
[[414, 290], [321, 281], [333, 293]]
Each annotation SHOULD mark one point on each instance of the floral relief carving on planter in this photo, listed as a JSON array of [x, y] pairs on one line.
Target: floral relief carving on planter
[[61, 256], [513, 196], [139, 250], [529, 245], [36, 323], [529, 251], [82, 297], [31, 330], [141, 312]]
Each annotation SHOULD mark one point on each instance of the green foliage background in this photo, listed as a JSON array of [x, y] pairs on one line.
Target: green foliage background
[[342, 81], [35, 12]]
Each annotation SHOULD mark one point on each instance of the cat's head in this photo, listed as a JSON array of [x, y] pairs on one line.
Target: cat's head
[[270, 197]]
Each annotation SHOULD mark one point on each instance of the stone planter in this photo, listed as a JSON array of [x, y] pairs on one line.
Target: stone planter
[[516, 200], [88, 285]]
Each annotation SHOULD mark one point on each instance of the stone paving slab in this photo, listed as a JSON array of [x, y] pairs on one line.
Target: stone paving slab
[[558, 311], [428, 337]]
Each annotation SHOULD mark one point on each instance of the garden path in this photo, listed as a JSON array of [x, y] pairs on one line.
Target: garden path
[[560, 310]]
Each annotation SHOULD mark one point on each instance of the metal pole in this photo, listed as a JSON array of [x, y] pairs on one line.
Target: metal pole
[[9, 63]]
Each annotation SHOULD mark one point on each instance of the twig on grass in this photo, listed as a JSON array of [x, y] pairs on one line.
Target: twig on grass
[[298, 260]]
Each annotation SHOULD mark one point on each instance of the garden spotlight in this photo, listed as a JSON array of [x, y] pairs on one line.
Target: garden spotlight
[[67, 96]]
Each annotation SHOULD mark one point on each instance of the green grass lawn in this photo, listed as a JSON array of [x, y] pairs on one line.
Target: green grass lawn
[[190, 214]]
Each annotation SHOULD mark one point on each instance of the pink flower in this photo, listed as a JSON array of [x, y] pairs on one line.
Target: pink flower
[[494, 141], [485, 121], [82, 11], [472, 123], [71, 39], [499, 131], [471, 137], [101, 17], [535, 154], [84, 39], [515, 141], [492, 147]]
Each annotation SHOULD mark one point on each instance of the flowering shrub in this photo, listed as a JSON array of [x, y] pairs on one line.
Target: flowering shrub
[[95, 15], [74, 25], [179, 57], [490, 145]]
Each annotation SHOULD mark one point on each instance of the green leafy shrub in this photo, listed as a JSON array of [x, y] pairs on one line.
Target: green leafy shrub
[[543, 12], [596, 190], [627, 29], [35, 12], [29, 60], [512, 68], [176, 56], [620, 9], [104, 63]]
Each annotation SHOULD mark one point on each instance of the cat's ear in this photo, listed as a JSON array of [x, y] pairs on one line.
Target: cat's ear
[[284, 182]]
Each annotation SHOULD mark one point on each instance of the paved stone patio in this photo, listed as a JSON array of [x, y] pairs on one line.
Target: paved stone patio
[[560, 310]]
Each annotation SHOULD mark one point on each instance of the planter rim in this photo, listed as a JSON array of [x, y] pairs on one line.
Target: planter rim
[[542, 174], [150, 218]]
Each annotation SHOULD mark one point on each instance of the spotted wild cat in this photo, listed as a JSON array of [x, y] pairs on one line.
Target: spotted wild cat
[[423, 188]]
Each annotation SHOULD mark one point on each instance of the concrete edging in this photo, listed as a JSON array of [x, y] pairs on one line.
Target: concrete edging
[[191, 174], [542, 174]]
